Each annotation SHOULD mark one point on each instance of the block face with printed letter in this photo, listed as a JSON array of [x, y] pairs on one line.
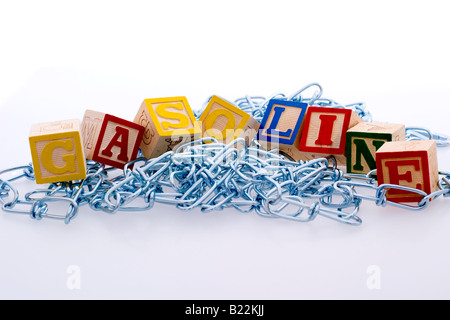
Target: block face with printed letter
[[411, 164], [363, 141], [57, 151], [168, 122], [281, 127], [110, 140], [225, 122], [324, 132]]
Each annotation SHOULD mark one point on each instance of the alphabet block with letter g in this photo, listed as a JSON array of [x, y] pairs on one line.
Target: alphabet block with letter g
[[410, 164], [110, 140], [57, 151]]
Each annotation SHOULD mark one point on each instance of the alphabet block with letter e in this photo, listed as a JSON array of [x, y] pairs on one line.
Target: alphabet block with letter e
[[324, 132], [281, 127], [408, 163], [226, 122], [168, 122], [364, 139], [110, 140], [57, 151]]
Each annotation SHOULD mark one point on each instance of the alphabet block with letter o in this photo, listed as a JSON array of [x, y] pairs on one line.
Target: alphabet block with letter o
[[408, 163], [226, 122], [364, 139], [57, 151], [324, 132], [281, 127], [168, 123], [110, 140]]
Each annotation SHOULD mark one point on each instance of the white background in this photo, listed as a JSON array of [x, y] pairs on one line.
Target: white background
[[58, 58]]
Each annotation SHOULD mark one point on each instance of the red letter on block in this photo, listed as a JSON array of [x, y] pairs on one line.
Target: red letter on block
[[326, 129], [397, 178]]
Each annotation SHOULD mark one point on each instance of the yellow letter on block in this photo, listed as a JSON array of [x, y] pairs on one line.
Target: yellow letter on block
[[168, 122], [225, 122], [57, 152]]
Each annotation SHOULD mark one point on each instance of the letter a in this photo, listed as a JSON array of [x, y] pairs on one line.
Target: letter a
[[120, 140]]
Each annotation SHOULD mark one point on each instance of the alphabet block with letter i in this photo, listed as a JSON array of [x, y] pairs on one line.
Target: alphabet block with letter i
[[408, 163], [110, 140], [226, 122], [324, 132], [281, 127], [57, 151], [364, 139], [168, 122]]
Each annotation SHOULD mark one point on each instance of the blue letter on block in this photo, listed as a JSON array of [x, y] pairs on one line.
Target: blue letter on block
[[282, 113]]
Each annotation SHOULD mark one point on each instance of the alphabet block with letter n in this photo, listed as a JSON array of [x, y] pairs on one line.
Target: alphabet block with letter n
[[226, 122], [281, 127], [57, 151], [168, 122], [408, 163], [324, 132], [364, 139], [110, 140]]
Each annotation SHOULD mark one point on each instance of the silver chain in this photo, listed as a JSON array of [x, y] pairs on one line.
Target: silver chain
[[214, 176]]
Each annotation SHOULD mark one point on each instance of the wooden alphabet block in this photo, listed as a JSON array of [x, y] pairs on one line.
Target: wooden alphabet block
[[226, 122], [408, 163], [324, 132], [57, 151], [281, 127], [364, 139], [168, 122], [110, 140]]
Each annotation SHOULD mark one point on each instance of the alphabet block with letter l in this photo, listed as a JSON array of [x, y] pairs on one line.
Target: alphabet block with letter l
[[364, 139], [408, 163], [225, 122], [110, 140], [168, 122], [281, 127], [57, 151], [324, 132]]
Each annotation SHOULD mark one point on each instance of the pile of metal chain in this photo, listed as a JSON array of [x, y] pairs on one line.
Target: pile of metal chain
[[213, 176]]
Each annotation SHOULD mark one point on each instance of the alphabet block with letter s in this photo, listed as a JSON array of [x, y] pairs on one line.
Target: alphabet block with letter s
[[168, 122], [110, 140], [408, 163], [57, 151]]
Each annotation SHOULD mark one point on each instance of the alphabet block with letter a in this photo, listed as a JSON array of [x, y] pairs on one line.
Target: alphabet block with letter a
[[324, 132], [168, 122], [57, 151], [364, 139], [226, 122], [110, 140], [281, 127], [408, 163]]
